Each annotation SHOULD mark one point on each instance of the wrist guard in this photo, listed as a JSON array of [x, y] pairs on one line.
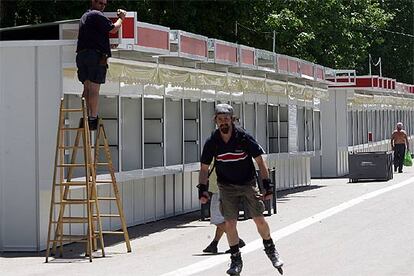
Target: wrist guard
[[268, 186], [201, 190]]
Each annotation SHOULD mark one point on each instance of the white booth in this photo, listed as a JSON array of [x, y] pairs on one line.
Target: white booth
[[360, 115], [157, 107]]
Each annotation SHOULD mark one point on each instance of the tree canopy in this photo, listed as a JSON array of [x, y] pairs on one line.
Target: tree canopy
[[334, 33]]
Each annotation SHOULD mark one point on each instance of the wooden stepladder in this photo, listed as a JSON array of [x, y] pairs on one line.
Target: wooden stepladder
[[83, 193], [102, 144], [61, 220]]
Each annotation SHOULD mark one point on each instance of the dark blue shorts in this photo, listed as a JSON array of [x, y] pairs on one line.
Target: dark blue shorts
[[92, 66]]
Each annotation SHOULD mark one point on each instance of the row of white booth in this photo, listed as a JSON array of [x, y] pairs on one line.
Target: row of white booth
[[157, 107]]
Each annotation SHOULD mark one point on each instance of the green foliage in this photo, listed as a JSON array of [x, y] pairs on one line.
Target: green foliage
[[331, 32], [334, 33]]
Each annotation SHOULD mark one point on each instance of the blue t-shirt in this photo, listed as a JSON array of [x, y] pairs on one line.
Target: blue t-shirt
[[234, 164], [94, 30]]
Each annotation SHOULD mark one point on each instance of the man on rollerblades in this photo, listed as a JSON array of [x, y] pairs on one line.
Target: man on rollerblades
[[233, 150]]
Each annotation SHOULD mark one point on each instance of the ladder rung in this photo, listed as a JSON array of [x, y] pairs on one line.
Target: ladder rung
[[72, 183], [71, 238], [72, 165], [75, 201], [102, 164], [106, 198], [111, 232], [71, 147], [72, 110], [108, 215], [103, 181], [71, 128], [73, 220], [101, 146]]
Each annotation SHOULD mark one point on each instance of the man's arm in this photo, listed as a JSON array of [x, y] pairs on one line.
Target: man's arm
[[202, 186], [203, 177], [117, 25], [264, 172], [264, 176]]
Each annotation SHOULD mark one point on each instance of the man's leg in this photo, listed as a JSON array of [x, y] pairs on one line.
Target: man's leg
[[399, 156], [85, 94], [219, 231], [269, 246], [262, 227], [231, 232], [212, 247], [236, 265], [400, 167], [93, 98]]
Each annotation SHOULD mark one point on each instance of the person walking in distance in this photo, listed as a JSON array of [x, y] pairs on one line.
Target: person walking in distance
[[399, 141], [233, 150], [216, 217], [93, 50]]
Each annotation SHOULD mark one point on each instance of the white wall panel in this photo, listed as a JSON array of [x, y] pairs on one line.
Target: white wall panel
[[195, 203], [127, 196], [261, 126], [159, 197], [178, 194], [187, 194], [149, 198], [169, 194], [19, 226], [139, 201]]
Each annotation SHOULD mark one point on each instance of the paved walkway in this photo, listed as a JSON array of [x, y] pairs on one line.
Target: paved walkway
[[329, 228]]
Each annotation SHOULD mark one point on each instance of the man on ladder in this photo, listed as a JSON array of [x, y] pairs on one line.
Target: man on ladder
[[93, 50]]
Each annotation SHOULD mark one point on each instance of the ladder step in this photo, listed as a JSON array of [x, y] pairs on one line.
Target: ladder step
[[106, 198], [104, 181], [111, 232], [75, 201], [108, 215], [102, 164], [71, 128], [73, 220], [71, 238], [72, 165], [72, 110], [70, 147], [72, 183]]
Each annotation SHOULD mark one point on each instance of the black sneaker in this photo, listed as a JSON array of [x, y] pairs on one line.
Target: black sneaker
[[273, 256], [211, 248], [93, 122], [236, 264], [241, 244]]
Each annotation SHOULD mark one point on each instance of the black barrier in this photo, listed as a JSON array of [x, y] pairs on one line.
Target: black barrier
[[370, 166]]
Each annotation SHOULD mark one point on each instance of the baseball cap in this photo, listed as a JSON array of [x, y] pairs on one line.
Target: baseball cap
[[223, 109]]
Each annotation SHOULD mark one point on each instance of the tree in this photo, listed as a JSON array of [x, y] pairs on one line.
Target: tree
[[331, 32], [334, 33], [397, 47]]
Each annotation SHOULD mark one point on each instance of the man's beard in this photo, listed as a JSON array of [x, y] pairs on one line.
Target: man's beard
[[225, 128]]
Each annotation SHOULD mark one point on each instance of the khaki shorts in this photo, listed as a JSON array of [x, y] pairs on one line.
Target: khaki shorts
[[232, 196]]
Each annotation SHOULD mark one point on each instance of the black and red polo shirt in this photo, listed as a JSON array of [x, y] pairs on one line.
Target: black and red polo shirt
[[234, 162]]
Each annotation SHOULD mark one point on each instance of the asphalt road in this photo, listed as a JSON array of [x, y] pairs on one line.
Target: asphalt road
[[329, 228]]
